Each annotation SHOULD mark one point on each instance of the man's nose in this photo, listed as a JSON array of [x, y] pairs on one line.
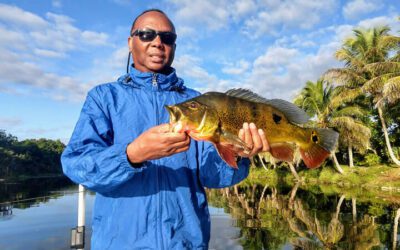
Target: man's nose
[[157, 42]]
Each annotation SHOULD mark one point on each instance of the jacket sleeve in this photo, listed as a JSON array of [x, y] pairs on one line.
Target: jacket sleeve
[[91, 158], [215, 173]]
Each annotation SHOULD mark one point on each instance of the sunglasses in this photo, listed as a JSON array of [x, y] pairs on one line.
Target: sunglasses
[[148, 35]]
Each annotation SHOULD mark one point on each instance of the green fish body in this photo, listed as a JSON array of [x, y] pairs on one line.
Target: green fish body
[[218, 117]]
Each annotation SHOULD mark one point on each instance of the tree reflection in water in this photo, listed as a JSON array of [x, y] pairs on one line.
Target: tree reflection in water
[[271, 218]]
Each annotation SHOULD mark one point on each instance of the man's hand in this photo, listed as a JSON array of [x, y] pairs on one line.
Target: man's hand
[[157, 142], [254, 138]]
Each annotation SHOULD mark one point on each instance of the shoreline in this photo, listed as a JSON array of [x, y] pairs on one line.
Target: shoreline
[[379, 183]]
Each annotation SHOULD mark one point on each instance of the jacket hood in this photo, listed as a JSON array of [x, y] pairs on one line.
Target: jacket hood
[[153, 81]]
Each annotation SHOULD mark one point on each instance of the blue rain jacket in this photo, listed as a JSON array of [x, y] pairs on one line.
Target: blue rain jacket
[[162, 204]]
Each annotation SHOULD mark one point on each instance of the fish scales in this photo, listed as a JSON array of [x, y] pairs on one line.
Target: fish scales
[[218, 117], [233, 112]]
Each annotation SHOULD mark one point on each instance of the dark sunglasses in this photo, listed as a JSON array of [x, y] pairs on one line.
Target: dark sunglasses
[[148, 35]]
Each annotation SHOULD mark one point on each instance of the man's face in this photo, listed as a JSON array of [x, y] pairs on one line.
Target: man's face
[[153, 56]]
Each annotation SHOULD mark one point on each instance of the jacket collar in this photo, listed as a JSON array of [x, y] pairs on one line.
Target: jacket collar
[[153, 81]]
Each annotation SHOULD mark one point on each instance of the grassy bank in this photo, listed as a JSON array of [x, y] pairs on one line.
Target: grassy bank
[[378, 183]]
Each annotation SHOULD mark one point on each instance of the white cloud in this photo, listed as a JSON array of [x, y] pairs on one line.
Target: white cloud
[[276, 56], [285, 76], [94, 38], [11, 39], [258, 17], [243, 8], [213, 14], [272, 18], [56, 32], [391, 21], [355, 9], [190, 69], [189, 66], [18, 17], [16, 72], [48, 53], [26, 63], [236, 69]]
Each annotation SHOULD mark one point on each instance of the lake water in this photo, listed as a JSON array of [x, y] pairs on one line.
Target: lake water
[[243, 217]]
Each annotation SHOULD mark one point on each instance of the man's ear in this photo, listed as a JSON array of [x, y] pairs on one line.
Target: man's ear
[[130, 43]]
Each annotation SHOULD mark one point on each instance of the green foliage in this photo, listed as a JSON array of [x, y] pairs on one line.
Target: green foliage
[[371, 159], [377, 209], [30, 157]]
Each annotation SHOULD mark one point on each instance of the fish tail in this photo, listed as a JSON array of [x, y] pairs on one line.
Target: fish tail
[[321, 143]]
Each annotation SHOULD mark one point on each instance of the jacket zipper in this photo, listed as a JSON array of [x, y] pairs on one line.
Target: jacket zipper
[[154, 80], [159, 222]]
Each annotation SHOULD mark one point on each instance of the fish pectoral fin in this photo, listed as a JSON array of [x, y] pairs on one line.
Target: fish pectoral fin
[[314, 156], [227, 154], [230, 139], [282, 151]]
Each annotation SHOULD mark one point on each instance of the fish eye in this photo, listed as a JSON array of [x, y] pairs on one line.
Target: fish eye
[[194, 105]]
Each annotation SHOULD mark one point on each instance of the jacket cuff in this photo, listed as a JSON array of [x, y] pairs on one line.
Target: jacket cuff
[[136, 167]]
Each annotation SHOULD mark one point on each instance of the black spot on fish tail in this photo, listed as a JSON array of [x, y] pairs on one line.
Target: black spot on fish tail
[[277, 119]]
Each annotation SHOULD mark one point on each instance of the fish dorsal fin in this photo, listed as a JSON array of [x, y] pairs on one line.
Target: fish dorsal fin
[[292, 112], [246, 95]]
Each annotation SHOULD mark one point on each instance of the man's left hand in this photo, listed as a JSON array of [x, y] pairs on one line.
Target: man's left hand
[[254, 138]]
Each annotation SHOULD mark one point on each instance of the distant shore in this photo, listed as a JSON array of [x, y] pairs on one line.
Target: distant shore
[[27, 177]]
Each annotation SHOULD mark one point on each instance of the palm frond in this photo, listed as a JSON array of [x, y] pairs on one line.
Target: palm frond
[[391, 90], [380, 68], [390, 42], [346, 77], [346, 55], [352, 132], [350, 111], [396, 57], [344, 96], [375, 85]]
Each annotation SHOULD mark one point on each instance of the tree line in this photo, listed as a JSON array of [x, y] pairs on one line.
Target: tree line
[[361, 99], [31, 157]]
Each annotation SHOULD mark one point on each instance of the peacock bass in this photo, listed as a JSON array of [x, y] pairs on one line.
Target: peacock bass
[[218, 117]]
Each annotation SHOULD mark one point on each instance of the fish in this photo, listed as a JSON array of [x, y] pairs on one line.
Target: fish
[[217, 117]]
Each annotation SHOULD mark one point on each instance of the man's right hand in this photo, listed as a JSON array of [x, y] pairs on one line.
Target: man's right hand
[[157, 142]]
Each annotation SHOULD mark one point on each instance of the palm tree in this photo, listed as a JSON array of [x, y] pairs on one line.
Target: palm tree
[[353, 133], [326, 104], [372, 60]]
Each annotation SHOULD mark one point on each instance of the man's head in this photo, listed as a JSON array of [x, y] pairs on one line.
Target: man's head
[[152, 55]]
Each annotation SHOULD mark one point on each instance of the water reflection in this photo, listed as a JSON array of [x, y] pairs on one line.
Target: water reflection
[[268, 217], [272, 218], [39, 213], [25, 194]]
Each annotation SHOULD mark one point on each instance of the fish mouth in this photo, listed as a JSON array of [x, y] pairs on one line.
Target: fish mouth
[[174, 113]]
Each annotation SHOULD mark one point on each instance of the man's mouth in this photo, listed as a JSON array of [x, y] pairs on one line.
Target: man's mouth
[[157, 58]]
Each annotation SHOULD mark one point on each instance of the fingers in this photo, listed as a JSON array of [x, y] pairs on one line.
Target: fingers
[[181, 144], [163, 128], [247, 135], [241, 134], [254, 138], [266, 147]]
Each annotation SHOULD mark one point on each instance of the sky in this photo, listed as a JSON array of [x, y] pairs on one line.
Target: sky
[[52, 52]]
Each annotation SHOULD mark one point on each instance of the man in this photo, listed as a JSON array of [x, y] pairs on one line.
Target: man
[[149, 181]]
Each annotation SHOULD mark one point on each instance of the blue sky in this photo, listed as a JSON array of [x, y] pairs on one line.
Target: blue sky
[[53, 51]]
